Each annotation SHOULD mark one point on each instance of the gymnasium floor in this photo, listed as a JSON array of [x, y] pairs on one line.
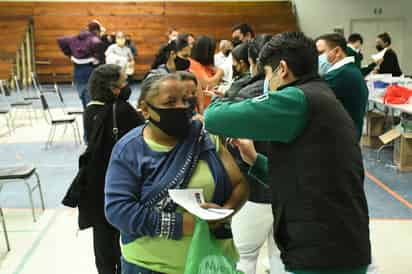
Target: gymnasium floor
[[53, 244]]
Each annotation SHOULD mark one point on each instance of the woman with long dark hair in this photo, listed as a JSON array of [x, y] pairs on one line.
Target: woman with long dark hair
[[202, 65]]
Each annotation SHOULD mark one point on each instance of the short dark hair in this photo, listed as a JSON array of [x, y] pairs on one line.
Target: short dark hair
[[244, 29], [256, 45], [182, 41], [163, 54], [386, 38], [102, 80], [297, 50], [355, 37], [187, 76], [203, 50], [240, 52], [93, 26], [171, 29], [334, 40]]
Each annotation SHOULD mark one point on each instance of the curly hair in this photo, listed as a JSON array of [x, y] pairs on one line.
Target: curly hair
[[101, 82]]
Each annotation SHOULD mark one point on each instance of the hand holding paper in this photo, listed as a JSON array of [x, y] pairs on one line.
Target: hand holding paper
[[378, 57], [192, 199]]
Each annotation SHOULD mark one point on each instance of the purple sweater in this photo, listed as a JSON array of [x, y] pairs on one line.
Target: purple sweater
[[82, 46]]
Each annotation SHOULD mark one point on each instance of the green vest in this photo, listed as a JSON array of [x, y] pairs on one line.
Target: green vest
[[357, 55], [350, 88]]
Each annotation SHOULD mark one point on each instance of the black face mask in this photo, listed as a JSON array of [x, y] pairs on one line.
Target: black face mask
[[236, 41], [379, 48], [235, 71], [226, 53], [173, 121], [192, 102], [125, 93], [181, 64]]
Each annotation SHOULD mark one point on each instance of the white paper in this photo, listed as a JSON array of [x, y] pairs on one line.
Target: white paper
[[191, 199], [379, 55]]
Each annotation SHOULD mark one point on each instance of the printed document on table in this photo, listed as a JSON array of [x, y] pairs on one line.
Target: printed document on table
[[191, 199]]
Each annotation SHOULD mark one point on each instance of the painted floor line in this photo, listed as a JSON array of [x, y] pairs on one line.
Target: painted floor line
[[388, 189], [406, 220], [20, 231], [36, 243]]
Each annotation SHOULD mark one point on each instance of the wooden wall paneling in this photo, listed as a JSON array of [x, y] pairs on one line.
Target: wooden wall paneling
[[146, 22], [99, 9], [13, 9], [12, 55]]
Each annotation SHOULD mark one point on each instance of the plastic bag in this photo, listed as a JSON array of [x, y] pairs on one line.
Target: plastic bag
[[397, 95], [205, 256]]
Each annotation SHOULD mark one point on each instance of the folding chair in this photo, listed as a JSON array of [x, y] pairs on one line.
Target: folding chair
[[61, 120], [21, 104], [6, 235], [23, 173], [38, 87], [68, 111], [5, 108], [26, 96]]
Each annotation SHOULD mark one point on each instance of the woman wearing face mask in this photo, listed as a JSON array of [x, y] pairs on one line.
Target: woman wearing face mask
[[105, 86], [390, 63], [171, 57], [192, 90], [170, 152], [254, 87], [241, 70], [119, 54]]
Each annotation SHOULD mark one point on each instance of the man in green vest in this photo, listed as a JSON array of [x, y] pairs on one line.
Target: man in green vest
[[345, 78], [355, 43], [312, 160]]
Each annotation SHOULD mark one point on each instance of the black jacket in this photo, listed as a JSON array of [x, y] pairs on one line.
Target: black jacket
[[318, 197], [91, 204], [253, 89], [390, 64]]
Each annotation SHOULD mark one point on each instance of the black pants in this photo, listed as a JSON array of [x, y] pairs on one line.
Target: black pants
[[106, 249]]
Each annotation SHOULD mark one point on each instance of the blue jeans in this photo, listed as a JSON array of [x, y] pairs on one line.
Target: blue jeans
[[128, 268], [81, 77], [83, 92]]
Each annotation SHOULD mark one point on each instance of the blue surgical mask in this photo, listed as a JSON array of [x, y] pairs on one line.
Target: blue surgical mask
[[266, 86], [324, 64]]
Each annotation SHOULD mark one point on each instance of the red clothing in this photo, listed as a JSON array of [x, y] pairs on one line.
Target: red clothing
[[201, 72]]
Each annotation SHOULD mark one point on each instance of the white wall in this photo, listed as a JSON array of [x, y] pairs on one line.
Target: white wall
[[317, 17]]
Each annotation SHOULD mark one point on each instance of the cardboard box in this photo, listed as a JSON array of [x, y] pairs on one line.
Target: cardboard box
[[402, 153], [375, 124], [371, 142]]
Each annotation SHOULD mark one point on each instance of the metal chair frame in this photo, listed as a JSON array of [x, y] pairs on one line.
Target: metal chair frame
[[30, 188]]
